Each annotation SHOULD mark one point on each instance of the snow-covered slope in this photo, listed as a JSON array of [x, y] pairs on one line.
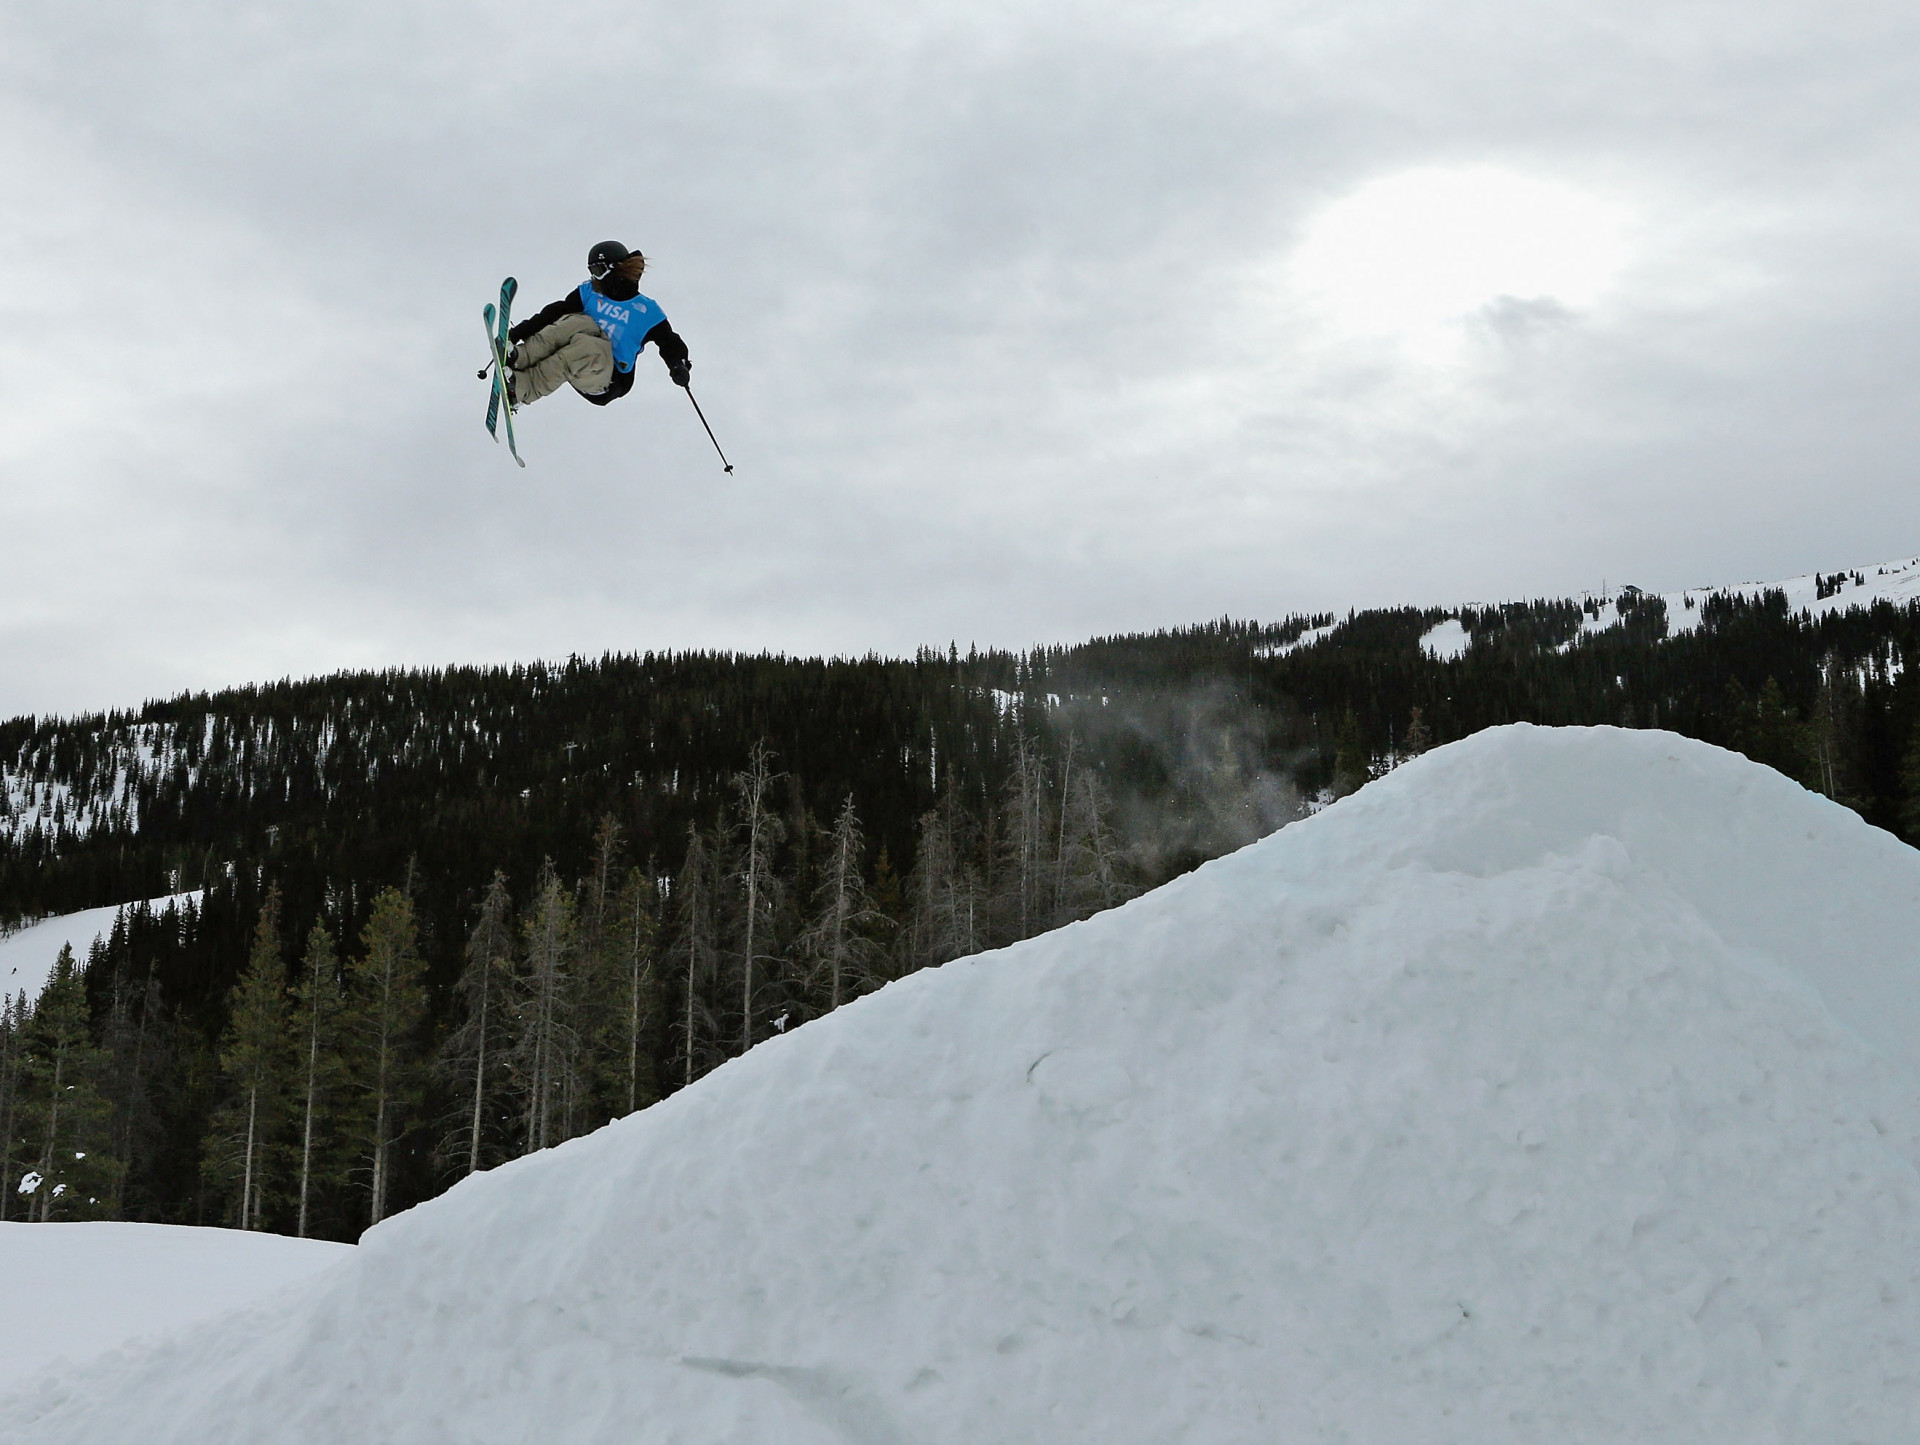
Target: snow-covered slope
[[1560, 1086], [1894, 582], [27, 954], [73, 1291], [1897, 583]]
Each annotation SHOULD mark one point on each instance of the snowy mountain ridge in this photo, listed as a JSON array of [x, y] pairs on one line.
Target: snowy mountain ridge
[[1812, 594], [61, 785]]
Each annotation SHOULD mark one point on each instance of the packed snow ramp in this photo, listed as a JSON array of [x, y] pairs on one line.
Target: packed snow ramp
[[1559, 1087]]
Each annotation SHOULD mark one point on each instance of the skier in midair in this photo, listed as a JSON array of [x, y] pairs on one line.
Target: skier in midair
[[592, 336]]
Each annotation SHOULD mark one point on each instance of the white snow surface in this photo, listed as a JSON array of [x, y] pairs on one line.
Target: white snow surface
[[1561, 1086], [1309, 638], [27, 954], [74, 1291], [1446, 642]]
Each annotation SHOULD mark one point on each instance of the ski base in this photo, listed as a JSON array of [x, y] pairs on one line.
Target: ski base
[[498, 406]]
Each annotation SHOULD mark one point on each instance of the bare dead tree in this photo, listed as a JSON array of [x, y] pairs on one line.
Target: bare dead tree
[[544, 1054], [839, 939], [760, 831]]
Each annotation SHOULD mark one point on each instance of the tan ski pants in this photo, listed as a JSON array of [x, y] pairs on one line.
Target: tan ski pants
[[571, 350]]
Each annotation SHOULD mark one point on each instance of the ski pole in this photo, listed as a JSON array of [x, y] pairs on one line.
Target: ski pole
[[710, 436]]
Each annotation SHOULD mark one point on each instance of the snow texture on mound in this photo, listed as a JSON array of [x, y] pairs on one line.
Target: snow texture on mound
[[73, 1291], [1558, 1087]]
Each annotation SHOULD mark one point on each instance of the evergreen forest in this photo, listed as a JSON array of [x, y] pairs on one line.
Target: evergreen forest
[[411, 924]]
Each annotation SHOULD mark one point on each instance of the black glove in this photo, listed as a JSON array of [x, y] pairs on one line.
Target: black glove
[[681, 372]]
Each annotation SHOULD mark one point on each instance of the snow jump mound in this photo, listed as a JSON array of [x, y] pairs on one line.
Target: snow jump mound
[[1559, 1087]]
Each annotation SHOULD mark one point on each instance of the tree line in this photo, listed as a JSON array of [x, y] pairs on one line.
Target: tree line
[[339, 1086], [677, 856]]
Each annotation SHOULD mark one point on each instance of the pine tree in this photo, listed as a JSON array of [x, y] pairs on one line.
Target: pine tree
[[925, 940], [74, 1176], [387, 1006], [13, 1019], [1094, 864], [635, 928], [1828, 729], [1067, 780], [254, 1062], [472, 1056], [888, 896], [604, 993], [697, 952], [600, 893], [945, 920], [1350, 758], [544, 1052], [139, 1038], [1419, 735], [760, 832], [1774, 736], [839, 939], [1910, 789], [318, 1015], [1024, 843]]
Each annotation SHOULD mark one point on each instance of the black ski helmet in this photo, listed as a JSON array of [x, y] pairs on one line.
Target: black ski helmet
[[606, 255]]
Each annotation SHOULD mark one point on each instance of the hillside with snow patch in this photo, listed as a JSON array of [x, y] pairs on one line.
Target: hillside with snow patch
[[1814, 594], [27, 953], [1563, 1085]]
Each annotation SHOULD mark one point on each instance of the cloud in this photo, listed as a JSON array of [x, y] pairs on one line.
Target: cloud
[[982, 302]]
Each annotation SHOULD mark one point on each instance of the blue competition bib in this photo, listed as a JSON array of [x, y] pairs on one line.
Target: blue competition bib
[[626, 323]]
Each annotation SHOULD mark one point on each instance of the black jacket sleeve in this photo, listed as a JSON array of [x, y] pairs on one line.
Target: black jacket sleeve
[[569, 304], [672, 349]]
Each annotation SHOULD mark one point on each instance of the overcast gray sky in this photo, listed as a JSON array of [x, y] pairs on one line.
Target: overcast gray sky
[[1020, 322]]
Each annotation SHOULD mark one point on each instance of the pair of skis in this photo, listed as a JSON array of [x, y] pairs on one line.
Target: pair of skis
[[499, 405]]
